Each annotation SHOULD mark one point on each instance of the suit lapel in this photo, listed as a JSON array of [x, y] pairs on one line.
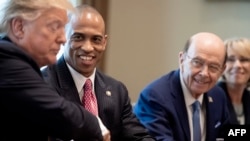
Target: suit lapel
[[180, 105], [105, 96], [66, 86], [212, 120]]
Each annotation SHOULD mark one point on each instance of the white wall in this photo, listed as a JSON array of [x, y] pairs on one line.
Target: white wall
[[145, 36]]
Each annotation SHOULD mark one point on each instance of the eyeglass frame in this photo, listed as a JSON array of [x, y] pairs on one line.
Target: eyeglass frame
[[199, 63]]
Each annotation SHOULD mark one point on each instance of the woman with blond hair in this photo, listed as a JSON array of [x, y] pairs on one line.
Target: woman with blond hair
[[235, 79]]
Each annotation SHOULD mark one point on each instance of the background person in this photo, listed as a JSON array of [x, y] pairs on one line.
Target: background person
[[235, 80], [167, 106], [86, 42], [32, 33]]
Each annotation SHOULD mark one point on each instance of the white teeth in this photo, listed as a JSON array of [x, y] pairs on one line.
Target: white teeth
[[200, 82], [87, 58]]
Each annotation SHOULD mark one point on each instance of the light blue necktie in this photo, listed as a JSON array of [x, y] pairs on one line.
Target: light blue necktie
[[196, 121]]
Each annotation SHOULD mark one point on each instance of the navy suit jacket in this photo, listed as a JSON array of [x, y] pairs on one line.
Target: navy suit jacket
[[114, 110], [246, 105], [31, 110], [161, 108]]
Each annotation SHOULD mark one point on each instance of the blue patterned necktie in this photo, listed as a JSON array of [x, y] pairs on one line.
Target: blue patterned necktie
[[196, 121]]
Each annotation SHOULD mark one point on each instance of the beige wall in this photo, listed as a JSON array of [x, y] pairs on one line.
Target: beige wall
[[145, 36]]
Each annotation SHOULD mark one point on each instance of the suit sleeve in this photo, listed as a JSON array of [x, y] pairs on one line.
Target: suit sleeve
[[153, 116], [132, 128], [24, 94]]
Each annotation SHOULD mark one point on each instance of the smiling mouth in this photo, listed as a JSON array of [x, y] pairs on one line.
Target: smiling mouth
[[200, 82], [86, 58]]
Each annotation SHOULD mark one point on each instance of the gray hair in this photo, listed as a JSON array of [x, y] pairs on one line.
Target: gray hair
[[27, 9]]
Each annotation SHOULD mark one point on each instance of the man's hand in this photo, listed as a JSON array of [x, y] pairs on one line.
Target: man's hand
[[106, 136], [105, 131]]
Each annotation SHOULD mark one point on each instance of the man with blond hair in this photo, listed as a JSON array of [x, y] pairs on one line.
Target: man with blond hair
[[32, 33]]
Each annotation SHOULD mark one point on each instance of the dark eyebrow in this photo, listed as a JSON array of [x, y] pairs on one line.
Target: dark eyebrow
[[98, 36], [78, 33], [82, 34]]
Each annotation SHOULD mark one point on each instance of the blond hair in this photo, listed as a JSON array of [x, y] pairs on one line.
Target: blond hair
[[27, 9], [240, 45]]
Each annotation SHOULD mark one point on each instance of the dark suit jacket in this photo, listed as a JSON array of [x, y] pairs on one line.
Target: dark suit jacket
[[246, 105], [115, 110], [161, 108], [30, 109]]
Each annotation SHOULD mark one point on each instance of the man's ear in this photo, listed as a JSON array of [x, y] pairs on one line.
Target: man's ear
[[105, 41], [17, 27], [181, 57]]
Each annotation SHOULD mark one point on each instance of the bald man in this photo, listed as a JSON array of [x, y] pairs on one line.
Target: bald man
[[165, 105], [86, 42]]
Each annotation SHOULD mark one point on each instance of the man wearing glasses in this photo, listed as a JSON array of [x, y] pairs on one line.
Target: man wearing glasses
[[185, 104]]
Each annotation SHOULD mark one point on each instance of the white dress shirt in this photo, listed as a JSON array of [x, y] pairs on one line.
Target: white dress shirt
[[189, 100], [80, 80]]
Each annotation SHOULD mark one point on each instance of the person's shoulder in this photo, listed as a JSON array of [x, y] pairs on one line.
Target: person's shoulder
[[9, 48], [164, 80], [217, 89], [107, 78], [221, 83], [246, 93], [217, 92]]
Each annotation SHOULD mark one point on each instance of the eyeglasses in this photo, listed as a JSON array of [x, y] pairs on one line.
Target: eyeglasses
[[200, 63], [241, 60]]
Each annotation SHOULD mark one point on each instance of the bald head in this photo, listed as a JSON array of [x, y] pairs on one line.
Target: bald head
[[208, 42], [89, 13], [83, 15], [207, 39], [202, 62], [86, 40]]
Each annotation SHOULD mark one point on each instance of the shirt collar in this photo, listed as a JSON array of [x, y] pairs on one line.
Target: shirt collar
[[189, 99], [79, 79]]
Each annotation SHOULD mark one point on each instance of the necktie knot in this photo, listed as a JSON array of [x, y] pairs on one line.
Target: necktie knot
[[88, 85], [196, 106]]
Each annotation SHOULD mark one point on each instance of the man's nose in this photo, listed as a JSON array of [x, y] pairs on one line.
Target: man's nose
[[204, 70], [87, 46]]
